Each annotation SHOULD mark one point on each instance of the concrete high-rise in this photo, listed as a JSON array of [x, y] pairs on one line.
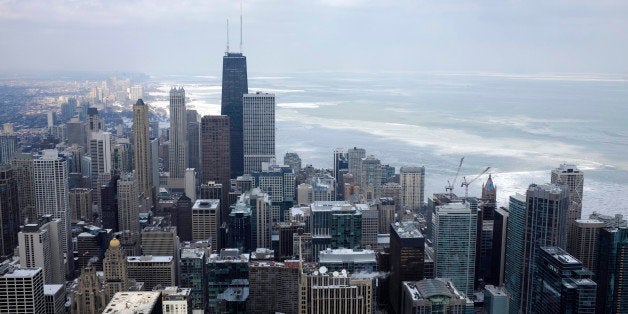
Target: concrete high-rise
[[178, 134], [334, 293], [152, 270], [128, 204], [141, 149], [81, 204], [205, 221], [354, 157], [258, 125], [216, 152], [22, 290], [9, 212], [412, 181], [582, 241], [234, 86], [40, 246], [50, 172], [573, 179], [455, 229]]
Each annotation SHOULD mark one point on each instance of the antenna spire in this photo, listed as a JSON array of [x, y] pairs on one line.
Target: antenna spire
[[227, 36], [241, 26]]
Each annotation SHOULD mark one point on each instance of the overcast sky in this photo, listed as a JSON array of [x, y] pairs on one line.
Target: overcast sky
[[189, 36]]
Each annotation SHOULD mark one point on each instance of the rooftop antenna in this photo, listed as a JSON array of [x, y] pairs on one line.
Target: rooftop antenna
[[227, 36], [241, 25]]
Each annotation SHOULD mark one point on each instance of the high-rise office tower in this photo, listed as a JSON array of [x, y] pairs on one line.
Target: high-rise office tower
[[194, 141], [50, 172], [227, 272], [573, 179], [354, 157], [279, 182], [205, 221], [23, 165], [498, 252], [181, 217], [612, 271], [336, 292], [92, 242], [81, 204], [128, 204], [160, 241], [94, 123], [258, 125], [141, 149], [565, 286], [100, 153], [239, 228], [371, 175], [8, 146], [273, 287], [40, 246], [455, 229], [407, 252], [513, 263], [152, 270], [192, 274], [234, 86], [22, 290], [545, 225], [582, 241], [340, 163], [412, 181], [9, 212], [489, 199], [216, 152], [178, 133], [115, 272]]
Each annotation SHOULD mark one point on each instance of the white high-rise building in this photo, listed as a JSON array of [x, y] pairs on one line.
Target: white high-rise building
[[573, 179], [258, 130], [100, 152], [22, 291], [128, 204], [52, 196], [412, 180], [178, 134], [40, 246], [136, 92], [455, 231]]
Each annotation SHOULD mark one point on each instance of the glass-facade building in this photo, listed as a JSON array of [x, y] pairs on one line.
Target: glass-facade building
[[515, 235], [192, 275], [234, 86], [612, 271]]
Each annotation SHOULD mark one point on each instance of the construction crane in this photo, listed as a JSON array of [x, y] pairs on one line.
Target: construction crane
[[466, 183], [450, 185]]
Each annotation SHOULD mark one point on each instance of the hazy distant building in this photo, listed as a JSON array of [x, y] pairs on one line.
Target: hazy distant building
[[141, 149], [234, 86], [571, 177], [412, 181], [22, 290], [8, 146], [258, 130], [293, 161], [178, 133]]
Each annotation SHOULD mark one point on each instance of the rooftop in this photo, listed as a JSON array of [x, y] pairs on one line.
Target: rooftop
[[206, 204], [407, 229], [133, 302], [52, 289], [149, 259]]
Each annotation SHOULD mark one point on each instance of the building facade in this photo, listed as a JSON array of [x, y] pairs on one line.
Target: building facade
[[258, 130]]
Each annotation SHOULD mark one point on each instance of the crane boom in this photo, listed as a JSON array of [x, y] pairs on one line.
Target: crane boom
[[466, 183], [450, 185]]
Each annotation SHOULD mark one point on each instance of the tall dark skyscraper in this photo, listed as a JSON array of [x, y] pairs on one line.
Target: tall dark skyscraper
[[234, 86], [215, 151]]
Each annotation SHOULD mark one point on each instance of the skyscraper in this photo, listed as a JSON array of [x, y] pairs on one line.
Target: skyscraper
[[412, 180], [194, 141], [371, 175], [50, 173], [128, 205], [141, 149], [216, 152], [612, 271], [178, 134], [22, 290], [513, 264], [546, 218], [23, 166], [9, 212], [40, 246], [355, 156], [582, 241], [258, 130], [234, 86], [407, 252], [115, 272], [455, 229], [573, 179]]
